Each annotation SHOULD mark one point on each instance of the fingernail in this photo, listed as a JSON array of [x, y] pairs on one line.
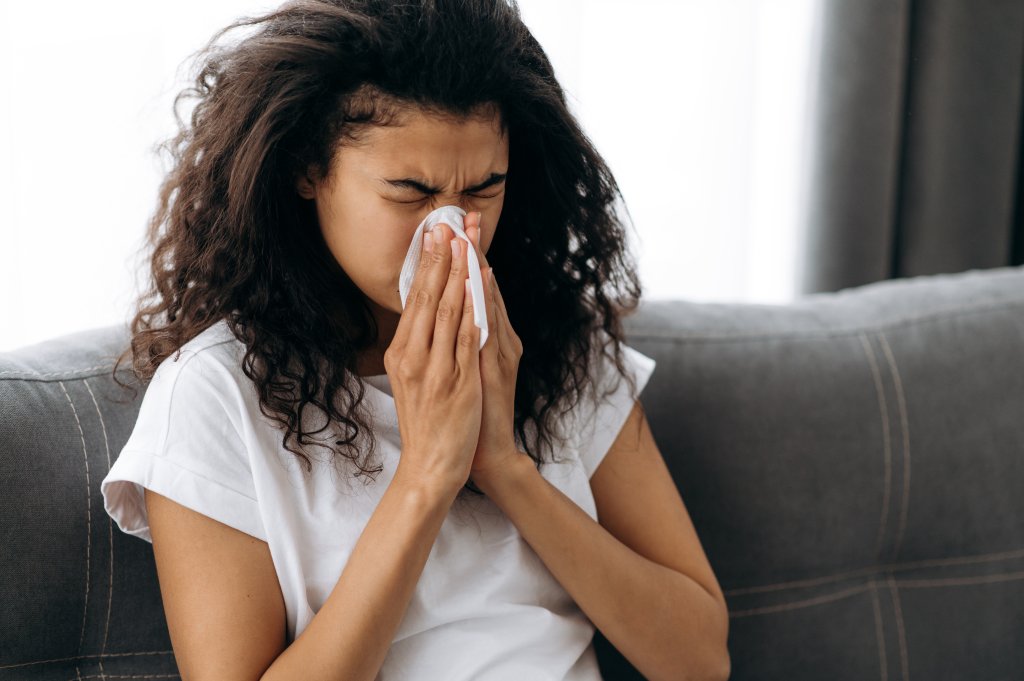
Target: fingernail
[[455, 247], [428, 241]]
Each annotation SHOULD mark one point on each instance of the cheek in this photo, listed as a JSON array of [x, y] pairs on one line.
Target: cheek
[[490, 215], [370, 246]]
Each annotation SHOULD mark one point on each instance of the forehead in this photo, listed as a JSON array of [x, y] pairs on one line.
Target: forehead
[[419, 137]]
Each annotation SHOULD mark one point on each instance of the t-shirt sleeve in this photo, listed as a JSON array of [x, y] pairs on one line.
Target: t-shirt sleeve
[[598, 417], [187, 446]]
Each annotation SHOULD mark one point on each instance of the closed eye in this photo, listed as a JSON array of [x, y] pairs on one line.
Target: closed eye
[[423, 187], [421, 200]]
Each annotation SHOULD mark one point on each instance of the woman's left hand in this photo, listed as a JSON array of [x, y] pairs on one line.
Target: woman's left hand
[[496, 448]]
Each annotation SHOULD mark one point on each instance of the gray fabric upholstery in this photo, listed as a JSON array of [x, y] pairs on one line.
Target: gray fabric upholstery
[[917, 140], [852, 463]]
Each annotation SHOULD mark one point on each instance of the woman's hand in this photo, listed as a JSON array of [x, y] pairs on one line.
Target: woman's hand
[[433, 364], [499, 367]]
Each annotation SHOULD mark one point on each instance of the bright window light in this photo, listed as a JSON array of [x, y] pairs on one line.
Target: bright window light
[[699, 107]]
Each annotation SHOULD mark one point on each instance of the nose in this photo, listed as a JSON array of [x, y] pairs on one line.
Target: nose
[[463, 202]]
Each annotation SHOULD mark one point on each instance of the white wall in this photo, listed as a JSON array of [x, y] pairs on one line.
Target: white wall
[[699, 107]]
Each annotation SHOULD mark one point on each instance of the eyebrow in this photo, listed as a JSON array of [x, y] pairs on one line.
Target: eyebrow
[[420, 185]]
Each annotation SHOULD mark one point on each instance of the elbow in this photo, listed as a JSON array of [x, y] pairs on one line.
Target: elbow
[[723, 670], [714, 665], [720, 664], [722, 667], [718, 667], [717, 663], [724, 661], [709, 659]]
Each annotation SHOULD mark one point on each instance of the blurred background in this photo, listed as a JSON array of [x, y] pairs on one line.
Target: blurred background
[[766, 148]]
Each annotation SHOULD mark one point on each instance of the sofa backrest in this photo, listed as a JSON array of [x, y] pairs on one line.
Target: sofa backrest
[[853, 464]]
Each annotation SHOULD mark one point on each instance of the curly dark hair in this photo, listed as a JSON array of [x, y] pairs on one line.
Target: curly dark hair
[[232, 240]]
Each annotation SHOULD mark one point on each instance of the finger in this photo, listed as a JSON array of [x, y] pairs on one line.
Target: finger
[[425, 293], [474, 235], [472, 220], [467, 345], [472, 228], [504, 324], [406, 322], [448, 320], [471, 225], [493, 343]]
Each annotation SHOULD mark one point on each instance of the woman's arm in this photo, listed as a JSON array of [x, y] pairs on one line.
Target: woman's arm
[[640, 574], [224, 607], [222, 601], [350, 636]]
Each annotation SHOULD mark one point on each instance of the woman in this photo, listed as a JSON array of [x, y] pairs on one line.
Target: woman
[[449, 530]]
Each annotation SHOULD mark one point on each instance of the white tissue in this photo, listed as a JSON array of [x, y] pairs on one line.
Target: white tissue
[[451, 216]]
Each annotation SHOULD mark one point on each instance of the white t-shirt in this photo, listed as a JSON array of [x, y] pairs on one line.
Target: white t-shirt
[[485, 606]]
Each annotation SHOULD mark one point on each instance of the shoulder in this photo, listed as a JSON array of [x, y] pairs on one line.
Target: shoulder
[[610, 384], [636, 366], [191, 442], [608, 398], [212, 359], [198, 391], [216, 345]]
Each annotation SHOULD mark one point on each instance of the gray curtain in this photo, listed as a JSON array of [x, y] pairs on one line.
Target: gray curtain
[[917, 161]]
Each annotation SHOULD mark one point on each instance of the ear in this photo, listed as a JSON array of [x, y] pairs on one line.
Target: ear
[[304, 186]]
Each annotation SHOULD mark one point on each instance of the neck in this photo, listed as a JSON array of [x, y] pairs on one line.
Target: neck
[[371, 360]]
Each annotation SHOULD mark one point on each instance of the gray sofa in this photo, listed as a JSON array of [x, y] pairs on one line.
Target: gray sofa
[[853, 463]]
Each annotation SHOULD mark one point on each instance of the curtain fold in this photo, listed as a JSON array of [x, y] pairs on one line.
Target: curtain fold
[[917, 141]]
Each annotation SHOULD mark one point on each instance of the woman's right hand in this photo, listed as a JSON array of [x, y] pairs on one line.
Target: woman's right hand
[[433, 364]]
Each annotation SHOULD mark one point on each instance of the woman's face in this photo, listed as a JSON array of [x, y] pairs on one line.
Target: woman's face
[[370, 205]]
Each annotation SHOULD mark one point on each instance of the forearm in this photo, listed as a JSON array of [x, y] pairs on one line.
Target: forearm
[[351, 634], [664, 622]]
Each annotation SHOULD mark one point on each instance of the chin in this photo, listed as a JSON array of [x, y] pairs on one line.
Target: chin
[[393, 303]]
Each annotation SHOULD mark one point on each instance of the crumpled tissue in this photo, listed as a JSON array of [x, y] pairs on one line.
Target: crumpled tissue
[[451, 216]]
